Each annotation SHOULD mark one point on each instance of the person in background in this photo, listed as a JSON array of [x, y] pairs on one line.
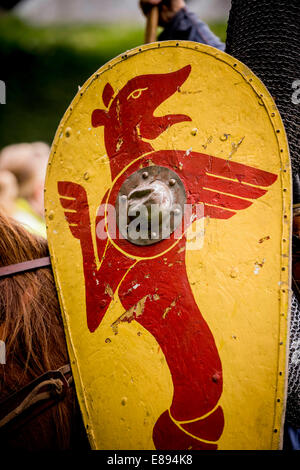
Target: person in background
[[8, 192], [28, 163], [180, 23]]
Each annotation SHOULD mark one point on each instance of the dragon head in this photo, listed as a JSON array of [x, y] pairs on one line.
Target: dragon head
[[129, 117]]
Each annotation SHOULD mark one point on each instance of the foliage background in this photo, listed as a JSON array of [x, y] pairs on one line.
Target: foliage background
[[43, 67]]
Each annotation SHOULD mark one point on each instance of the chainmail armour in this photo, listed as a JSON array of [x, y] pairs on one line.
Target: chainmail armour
[[265, 36]]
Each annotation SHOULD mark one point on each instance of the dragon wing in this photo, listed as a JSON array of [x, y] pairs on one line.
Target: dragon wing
[[223, 186]]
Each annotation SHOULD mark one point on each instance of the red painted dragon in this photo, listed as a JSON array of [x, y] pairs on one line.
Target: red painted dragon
[[159, 283]]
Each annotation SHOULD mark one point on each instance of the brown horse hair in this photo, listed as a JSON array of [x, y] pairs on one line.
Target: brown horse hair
[[32, 328]]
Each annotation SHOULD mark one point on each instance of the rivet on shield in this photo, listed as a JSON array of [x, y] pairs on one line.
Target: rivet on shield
[[68, 131], [150, 205]]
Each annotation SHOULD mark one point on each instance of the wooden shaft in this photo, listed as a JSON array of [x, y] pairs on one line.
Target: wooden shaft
[[151, 25]]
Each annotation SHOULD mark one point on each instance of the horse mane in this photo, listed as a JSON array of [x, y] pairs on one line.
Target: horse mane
[[32, 328]]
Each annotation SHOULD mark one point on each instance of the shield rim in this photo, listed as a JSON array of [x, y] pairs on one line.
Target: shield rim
[[285, 177]]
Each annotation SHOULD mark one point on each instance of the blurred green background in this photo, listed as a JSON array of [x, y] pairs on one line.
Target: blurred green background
[[43, 67]]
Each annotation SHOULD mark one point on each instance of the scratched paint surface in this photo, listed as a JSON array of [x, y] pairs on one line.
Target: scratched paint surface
[[218, 389]]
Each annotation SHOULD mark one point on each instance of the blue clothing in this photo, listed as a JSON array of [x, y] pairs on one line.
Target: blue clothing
[[185, 26], [291, 438]]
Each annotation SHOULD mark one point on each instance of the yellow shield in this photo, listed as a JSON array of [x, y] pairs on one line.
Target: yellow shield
[[176, 344]]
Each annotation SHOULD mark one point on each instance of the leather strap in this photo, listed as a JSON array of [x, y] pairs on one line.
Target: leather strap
[[30, 401], [12, 269]]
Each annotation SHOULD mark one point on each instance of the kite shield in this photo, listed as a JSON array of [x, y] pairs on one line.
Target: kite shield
[[177, 328]]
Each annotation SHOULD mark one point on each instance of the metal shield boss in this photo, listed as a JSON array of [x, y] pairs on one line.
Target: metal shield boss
[[168, 212]]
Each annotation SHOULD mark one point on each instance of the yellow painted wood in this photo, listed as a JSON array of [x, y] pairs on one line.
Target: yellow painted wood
[[240, 278]]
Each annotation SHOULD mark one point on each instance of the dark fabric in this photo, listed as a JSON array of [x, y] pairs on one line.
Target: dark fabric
[[291, 439], [185, 26], [265, 35], [296, 188]]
